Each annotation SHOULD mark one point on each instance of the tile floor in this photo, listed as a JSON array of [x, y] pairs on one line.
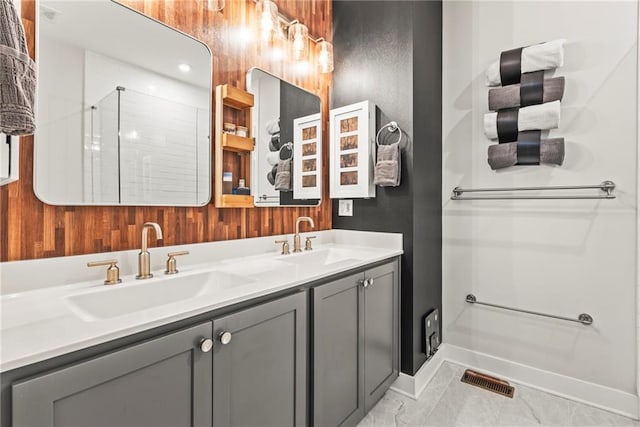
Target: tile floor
[[448, 402]]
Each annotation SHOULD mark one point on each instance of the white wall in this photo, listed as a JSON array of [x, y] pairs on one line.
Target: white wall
[[564, 257], [266, 89], [58, 153]]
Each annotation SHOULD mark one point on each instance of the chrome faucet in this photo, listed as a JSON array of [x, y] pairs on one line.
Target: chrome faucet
[[144, 257], [296, 237]]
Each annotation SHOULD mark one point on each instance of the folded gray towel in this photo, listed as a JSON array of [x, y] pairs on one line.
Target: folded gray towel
[[506, 155], [273, 126], [271, 175], [283, 176], [509, 96], [552, 151], [387, 170], [17, 75], [274, 143]]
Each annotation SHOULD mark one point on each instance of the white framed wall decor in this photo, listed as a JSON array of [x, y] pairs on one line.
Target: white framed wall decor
[[307, 157], [352, 131]]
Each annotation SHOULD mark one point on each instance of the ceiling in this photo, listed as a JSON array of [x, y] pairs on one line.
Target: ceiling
[[113, 30]]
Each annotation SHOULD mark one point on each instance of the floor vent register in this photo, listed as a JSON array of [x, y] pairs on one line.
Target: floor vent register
[[487, 382]]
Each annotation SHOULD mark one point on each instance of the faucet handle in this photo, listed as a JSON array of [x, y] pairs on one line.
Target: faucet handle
[[113, 272], [285, 246], [307, 243], [171, 261]]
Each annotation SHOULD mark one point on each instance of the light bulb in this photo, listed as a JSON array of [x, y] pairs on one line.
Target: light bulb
[[268, 19], [299, 39], [324, 52]]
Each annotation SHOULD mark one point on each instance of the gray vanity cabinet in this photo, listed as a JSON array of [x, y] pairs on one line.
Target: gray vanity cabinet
[[162, 382], [355, 347], [259, 365]]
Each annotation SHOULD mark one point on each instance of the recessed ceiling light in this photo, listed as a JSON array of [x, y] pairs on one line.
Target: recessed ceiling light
[[185, 68]]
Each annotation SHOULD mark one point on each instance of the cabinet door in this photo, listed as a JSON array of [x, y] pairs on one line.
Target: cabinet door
[[338, 343], [381, 330], [162, 382], [259, 376]]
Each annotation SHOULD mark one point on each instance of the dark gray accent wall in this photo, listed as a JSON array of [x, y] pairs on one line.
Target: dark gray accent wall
[[390, 52]]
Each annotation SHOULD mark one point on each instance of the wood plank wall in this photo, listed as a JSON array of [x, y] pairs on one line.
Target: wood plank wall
[[31, 229]]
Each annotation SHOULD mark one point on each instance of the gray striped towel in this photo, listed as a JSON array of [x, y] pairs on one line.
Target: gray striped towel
[[17, 75]]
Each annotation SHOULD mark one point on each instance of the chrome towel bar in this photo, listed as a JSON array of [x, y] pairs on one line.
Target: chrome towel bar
[[583, 318], [606, 187]]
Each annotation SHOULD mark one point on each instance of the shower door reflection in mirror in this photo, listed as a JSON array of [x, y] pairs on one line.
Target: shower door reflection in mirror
[[123, 110]]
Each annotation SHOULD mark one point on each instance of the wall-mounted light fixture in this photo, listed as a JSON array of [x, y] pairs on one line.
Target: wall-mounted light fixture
[[298, 41], [273, 24], [324, 55], [269, 20]]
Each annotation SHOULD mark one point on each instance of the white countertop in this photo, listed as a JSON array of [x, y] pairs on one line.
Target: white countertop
[[48, 321]]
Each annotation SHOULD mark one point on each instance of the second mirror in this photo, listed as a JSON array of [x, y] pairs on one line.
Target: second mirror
[[286, 165]]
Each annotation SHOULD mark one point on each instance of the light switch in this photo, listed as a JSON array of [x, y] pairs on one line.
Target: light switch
[[345, 207]]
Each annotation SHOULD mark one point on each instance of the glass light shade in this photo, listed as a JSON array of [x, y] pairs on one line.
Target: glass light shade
[[268, 19], [299, 41], [324, 55], [215, 5]]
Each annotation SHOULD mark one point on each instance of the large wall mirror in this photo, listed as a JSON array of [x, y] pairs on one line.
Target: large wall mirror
[[123, 108], [287, 127]]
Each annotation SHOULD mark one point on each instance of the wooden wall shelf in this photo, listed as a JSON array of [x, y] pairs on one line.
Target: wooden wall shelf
[[238, 146], [236, 143], [236, 98], [237, 201]]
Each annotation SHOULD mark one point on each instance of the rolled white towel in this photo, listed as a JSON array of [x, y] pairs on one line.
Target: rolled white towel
[[273, 158], [542, 117], [273, 126], [544, 56]]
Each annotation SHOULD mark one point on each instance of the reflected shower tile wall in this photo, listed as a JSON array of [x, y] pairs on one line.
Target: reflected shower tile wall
[[155, 133]]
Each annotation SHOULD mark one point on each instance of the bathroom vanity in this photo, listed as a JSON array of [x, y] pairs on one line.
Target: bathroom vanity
[[264, 339]]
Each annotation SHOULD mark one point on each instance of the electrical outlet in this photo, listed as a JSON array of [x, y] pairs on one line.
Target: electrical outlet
[[345, 207]]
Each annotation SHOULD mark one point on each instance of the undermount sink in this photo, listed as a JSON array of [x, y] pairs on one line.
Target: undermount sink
[[323, 257], [118, 300]]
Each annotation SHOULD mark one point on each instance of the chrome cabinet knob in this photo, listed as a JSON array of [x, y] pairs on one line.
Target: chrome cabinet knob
[[206, 345], [366, 283], [225, 337]]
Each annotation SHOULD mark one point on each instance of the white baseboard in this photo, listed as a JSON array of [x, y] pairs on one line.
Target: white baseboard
[[602, 397], [412, 386]]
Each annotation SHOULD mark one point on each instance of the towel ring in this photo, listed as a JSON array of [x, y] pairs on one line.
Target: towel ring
[[393, 127], [288, 146]]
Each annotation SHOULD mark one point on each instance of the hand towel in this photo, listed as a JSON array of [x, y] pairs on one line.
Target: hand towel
[[544, 56], [286, 151], [542, 117], [274, 143], [387, 170], [283, 176], [271, 175], [509, 96], [273, 158], [502, 156], [17, 75], [273, 126]]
